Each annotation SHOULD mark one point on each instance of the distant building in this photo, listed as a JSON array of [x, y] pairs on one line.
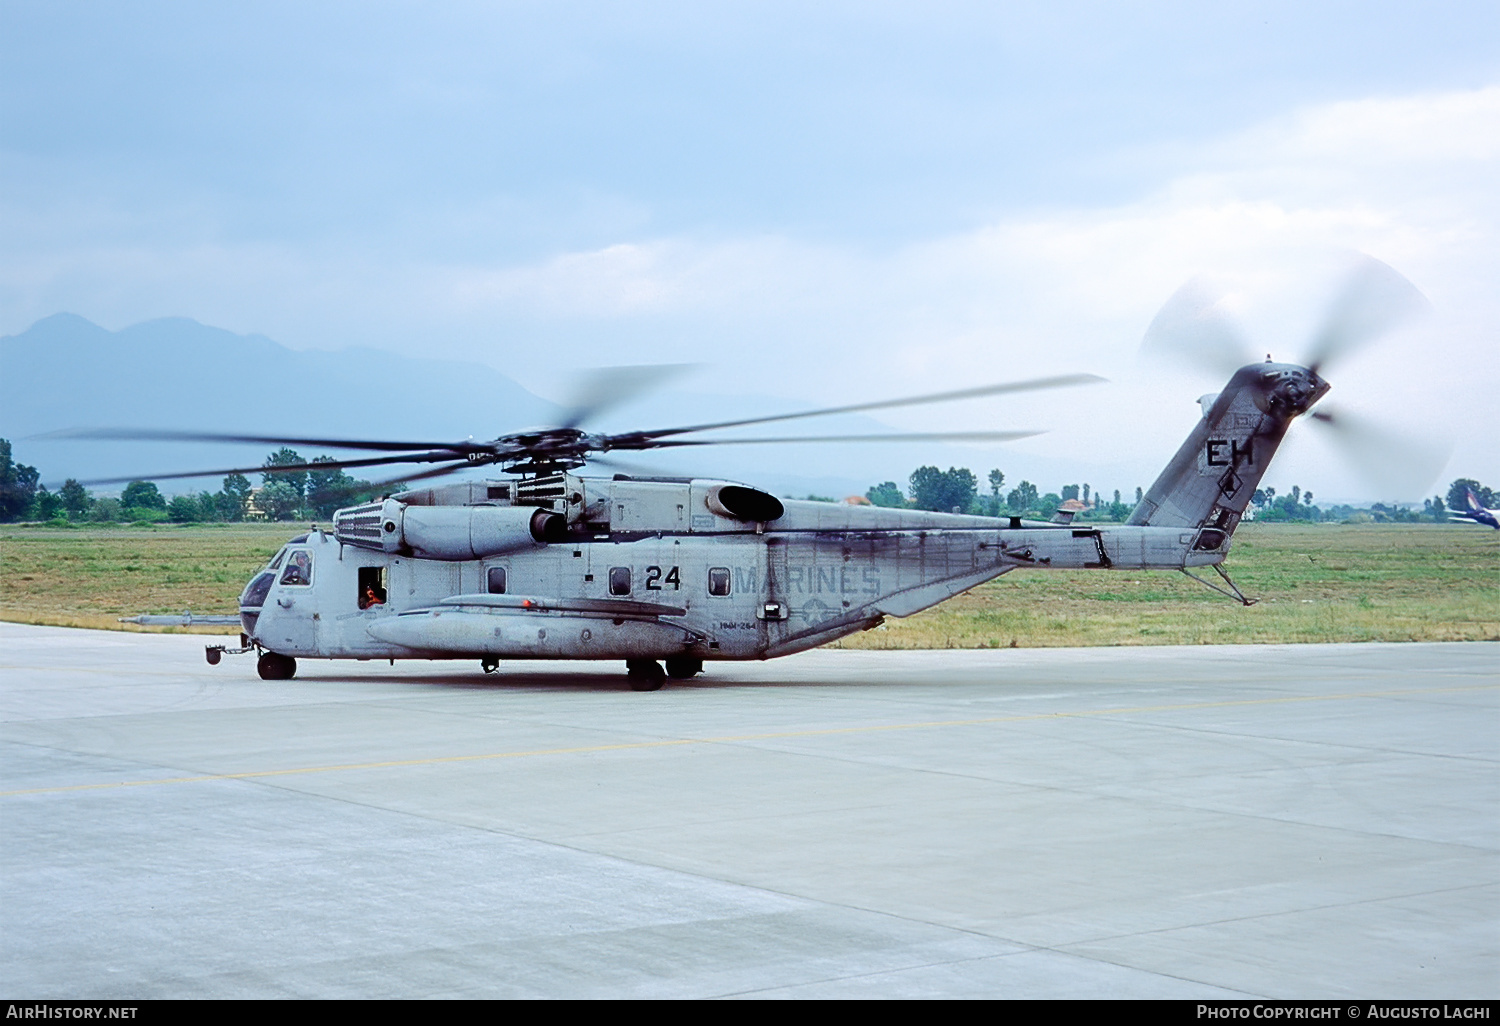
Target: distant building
[[253, 509]]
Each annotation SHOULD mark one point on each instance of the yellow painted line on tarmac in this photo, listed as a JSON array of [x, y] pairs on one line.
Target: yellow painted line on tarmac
[[743, 738]]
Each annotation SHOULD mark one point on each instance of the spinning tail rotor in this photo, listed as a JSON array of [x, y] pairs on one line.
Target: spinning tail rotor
[[1194, 330]]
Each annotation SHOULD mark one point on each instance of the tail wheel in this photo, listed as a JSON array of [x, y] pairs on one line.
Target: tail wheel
[[271, 666], [645, 674]]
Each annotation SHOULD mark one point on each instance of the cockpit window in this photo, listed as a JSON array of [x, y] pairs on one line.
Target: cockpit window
[[277, 561], [298, 568]]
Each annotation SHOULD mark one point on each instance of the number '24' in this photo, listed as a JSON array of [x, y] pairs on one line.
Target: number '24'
[[653, 576]]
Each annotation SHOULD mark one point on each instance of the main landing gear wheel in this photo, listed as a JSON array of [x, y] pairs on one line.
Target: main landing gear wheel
[[276, 667], [489, 665], [683, 668], [645, 674]]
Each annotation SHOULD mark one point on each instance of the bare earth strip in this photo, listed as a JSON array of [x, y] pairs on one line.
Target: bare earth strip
[[1315, 583]]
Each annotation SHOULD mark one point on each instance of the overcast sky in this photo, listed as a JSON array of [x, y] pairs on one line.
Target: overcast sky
[[825, 202]]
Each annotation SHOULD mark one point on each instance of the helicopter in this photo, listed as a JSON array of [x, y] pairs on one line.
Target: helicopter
[[668, 574]]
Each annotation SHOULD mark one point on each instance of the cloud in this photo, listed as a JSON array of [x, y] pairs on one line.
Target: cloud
[[1270, 212], [1273, 213]]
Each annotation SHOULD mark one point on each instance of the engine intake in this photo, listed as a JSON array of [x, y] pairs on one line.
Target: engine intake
[[750, 505]]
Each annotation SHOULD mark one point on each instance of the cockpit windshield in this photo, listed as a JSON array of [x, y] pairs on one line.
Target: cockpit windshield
[[277, 561], [255, 594]]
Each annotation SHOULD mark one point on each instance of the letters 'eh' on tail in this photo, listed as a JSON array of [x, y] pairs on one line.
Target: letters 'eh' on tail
[[1212, 478]]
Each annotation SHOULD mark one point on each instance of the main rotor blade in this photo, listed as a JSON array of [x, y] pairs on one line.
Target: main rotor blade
[[1033, 385], [1376, 299], [1193, 327], [385, 487], [381, 486], [938, 436], [152, 435], [1400, 467], [633, 468], [428, 457], [604, 388]]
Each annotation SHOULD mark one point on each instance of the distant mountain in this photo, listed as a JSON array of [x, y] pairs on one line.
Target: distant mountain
[[66, 372]]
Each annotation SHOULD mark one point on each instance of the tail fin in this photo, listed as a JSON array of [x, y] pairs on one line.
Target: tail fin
[[1210, 481]]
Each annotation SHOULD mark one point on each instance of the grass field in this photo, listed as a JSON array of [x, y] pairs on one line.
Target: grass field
[[92, 576], [1316, 583]]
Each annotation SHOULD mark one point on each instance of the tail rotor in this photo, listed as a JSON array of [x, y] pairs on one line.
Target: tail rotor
[[1194, 329], [1375, 300]]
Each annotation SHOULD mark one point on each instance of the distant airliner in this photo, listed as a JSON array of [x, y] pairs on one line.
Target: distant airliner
[[1477, 513]]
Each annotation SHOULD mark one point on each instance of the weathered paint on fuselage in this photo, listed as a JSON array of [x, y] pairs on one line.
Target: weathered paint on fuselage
[[817, 573]]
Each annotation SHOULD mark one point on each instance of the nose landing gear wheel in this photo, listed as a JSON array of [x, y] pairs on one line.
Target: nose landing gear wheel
[[645, 674], [271, 666]]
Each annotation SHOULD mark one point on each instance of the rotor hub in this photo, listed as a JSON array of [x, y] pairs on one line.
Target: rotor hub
[[1287, 389]]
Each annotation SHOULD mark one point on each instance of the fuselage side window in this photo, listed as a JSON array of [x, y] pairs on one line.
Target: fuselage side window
[[495, 580], [371, 586], [718, 580], [298, 568], [619, 580]]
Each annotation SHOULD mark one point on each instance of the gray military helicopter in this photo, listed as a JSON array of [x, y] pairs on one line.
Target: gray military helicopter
[[668, 574]]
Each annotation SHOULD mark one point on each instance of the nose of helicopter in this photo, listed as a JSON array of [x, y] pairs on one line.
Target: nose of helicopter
[[252, 599]]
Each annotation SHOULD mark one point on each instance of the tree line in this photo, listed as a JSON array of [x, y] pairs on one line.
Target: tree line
[[1297, 505], [957, 490], [313, 493], [313, 490]]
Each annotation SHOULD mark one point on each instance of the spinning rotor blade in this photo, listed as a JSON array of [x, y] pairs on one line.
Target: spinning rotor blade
[[366, 488], [381, 486], [567, 445], [939, 436], [603, 388], [622, 441], [1375, 300], [374, 461], [148, 435], [1401, 467], [633, 468], [1192, 326]]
